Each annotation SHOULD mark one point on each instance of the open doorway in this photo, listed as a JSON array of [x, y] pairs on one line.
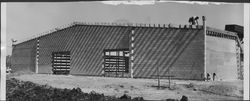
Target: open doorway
[[61, 62], [116, 61]]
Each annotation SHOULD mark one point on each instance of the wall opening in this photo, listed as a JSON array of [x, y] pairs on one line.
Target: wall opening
[[116, 61], [61, 62]]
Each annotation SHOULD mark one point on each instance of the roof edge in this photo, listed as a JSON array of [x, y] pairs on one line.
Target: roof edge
[[170, 25], [221, 31]]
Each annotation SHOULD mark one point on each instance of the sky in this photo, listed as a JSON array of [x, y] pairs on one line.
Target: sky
[[28, 19]]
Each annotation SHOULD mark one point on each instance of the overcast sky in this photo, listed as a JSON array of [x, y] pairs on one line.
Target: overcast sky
[[28, 19]]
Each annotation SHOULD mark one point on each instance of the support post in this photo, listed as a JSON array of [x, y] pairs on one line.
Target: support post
[[169, 79], [37, 55], [103, 63], [158, 75], [205, 29], [132, 53], [117, 64]]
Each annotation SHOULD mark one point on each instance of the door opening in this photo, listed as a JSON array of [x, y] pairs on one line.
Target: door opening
[[61, 62], [116, 61]]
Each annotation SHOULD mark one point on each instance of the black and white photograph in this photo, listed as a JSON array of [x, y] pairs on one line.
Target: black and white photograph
[[125, 51]]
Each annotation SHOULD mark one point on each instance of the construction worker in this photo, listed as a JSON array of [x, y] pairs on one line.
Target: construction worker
[[214, 76], [208, 76], [193, 20], [196, 20]]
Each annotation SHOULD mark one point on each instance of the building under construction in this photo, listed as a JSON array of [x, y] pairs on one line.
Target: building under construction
[[133, 50]]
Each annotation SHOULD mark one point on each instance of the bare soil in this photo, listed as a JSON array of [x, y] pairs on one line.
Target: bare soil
[[146, 88]]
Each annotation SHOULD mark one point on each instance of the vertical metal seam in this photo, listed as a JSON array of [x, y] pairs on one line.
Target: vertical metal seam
[[37, 55], [132, 53], [205, 31]]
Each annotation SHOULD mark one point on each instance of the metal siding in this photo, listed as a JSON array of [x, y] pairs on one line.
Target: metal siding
[[99, 49], [53, 42], [96, 51], [157, 45], [144, 52], [193, 65], [118, 35], [166, 49], [84, 53], [75, 47], [145, 49], [179, 50], [23, 56], [76, 54], [87, 45]]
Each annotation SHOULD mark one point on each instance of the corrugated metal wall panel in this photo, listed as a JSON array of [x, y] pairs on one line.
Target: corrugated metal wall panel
[[51, 43], [23, 56], [180, 49], [158, 50], [167, 49], [80, 53], [87, 56], [194, 64]]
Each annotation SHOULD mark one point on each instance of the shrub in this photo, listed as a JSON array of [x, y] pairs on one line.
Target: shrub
[[27, 91]]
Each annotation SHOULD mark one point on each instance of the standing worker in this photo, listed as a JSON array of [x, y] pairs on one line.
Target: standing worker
[[208, 76], [214, 76]]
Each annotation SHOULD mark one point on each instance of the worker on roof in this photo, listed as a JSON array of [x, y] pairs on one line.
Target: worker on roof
[[193, 20]]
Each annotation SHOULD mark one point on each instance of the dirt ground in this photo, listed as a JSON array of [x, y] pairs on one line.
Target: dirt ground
[[146, 88]]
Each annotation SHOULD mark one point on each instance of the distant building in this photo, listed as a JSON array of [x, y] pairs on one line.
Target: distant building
[[131, 51], [237, 29]]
